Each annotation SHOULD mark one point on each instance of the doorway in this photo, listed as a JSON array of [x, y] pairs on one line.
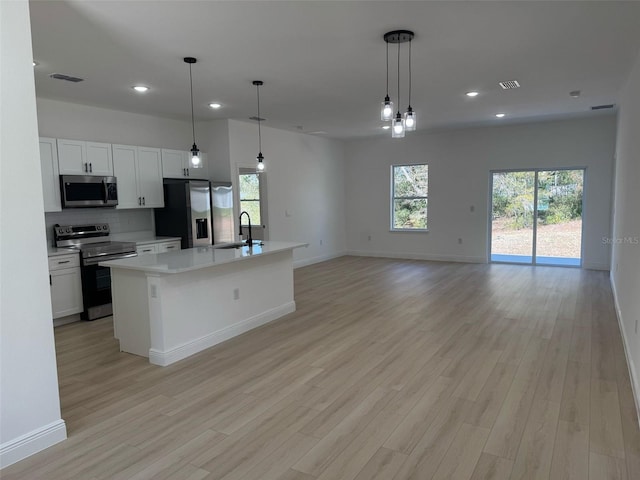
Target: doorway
[[536, 216]]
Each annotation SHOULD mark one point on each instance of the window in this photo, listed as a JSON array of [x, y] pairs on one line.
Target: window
[[250, 195], [409, 192]]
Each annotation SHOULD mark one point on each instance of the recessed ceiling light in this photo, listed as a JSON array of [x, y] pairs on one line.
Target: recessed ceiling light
[[472, 94], [574, 93], [500, 115], [140, 88], [386, 127], [215, 105]]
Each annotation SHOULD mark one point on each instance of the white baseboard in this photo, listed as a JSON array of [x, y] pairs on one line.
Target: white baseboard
[[635, 386], [321, 258], [26, 445], [185, 350], [419, 256]]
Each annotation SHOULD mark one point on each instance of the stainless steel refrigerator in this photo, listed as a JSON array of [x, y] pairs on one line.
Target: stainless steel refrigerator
[[186, 213], [222, 212]]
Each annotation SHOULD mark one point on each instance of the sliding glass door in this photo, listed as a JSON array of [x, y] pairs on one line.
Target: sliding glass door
[[536, 217]]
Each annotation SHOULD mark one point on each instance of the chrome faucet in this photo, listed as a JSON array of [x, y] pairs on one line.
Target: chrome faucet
[[250, 239]]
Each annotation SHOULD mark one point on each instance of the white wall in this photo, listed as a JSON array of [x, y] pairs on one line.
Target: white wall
[[29, 402], [305, 187], [459, 165], [83, 122], [625, 258], [215, 141]]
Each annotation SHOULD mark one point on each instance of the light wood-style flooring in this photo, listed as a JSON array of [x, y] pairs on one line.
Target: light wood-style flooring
[[389, 369]]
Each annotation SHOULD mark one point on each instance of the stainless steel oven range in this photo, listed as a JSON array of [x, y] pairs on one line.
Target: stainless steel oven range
[[95, 246]]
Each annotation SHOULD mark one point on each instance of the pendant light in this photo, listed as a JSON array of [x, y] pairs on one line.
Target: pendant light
[[195, 152], [410, 115], [386, 113], [260, 157], [400, 123]]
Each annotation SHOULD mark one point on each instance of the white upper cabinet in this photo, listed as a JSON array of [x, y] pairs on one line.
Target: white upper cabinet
[[99, 159], [173, 163], [50, 175], [76, 157], [139, 174], [125, 166], [177, 164], [150, 177]]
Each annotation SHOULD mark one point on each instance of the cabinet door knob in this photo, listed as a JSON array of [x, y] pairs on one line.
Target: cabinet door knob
[[91, 168], [139, 200], [144, 201], [86, 168]]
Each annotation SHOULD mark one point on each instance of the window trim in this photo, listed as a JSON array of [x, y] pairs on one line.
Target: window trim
[[393, 198]]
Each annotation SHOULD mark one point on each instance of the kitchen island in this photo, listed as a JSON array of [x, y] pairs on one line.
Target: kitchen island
[[172, 305]]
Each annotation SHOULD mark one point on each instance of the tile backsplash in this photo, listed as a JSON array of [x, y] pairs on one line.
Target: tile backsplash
[[119, 221]]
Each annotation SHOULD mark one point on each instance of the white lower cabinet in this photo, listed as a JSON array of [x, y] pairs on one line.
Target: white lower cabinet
[[158, 247], [66, 285], [168, 246], [146, 249]]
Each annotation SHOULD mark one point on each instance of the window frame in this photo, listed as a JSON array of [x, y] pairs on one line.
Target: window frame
[[394, 198], [261, 189]]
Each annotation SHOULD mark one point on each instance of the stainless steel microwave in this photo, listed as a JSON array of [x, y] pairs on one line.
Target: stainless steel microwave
[[82, 191]]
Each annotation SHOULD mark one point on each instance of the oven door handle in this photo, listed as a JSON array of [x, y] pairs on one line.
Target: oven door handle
[[104, 258]]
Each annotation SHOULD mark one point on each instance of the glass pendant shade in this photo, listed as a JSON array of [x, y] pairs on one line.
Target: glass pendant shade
[[386, 112], [195, 157], [410, 120], [397, 128]]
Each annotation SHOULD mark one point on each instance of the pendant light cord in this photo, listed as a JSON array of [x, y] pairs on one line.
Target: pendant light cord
[[193, 126], [409, 72], [259, 120], [398, 76], [387, 67]]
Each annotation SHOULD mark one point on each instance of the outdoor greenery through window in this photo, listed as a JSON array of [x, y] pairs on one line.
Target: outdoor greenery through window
[[410, 187], [250, 196]]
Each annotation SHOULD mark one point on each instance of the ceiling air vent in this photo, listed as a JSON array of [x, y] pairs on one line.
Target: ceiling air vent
[[603, 107], [508, 85], [257, 119], [68, 78]]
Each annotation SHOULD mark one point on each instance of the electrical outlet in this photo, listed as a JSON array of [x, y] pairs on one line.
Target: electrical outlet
[[154, 292], [236, 293], [472, 208], [320, 241], [369, 238], [460, 241]]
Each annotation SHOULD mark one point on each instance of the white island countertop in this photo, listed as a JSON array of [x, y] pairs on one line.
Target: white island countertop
[[197, 258]]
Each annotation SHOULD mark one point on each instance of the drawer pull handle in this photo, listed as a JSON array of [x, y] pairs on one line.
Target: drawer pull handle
[[64, 261]]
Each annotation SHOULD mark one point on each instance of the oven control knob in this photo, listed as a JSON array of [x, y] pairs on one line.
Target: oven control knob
[[68, 230], [105, 227], [99, 227]]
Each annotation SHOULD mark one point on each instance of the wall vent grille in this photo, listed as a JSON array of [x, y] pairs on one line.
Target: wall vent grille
[[509, 84]]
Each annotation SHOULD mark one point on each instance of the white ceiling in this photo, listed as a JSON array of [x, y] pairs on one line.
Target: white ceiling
[[323, 62]]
